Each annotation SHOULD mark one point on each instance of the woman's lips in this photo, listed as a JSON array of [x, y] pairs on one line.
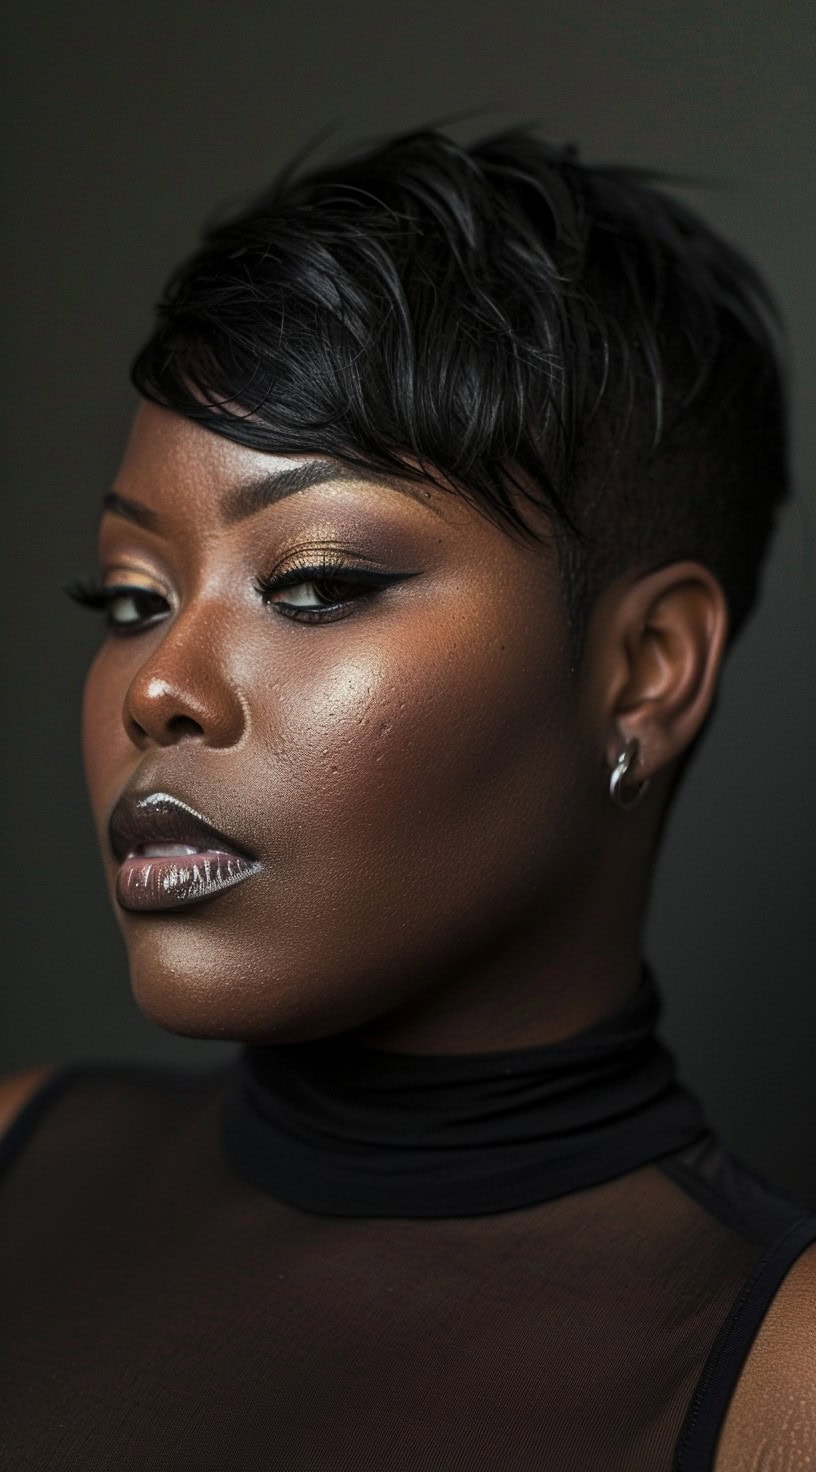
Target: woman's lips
[[159, 880], [170, 855]]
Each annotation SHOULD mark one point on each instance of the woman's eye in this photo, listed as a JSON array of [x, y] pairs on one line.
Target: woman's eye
[[128, 607], [320, 594]]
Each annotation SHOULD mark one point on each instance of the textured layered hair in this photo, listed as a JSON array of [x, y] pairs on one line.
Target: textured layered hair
[[520, 326]]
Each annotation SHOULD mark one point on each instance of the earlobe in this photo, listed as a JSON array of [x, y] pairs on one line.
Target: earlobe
[[671, 629]]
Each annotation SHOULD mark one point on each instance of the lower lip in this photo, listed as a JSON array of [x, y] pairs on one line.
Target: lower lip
[[171, 883]]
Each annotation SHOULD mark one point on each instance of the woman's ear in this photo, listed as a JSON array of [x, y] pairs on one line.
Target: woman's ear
[[658, 643]]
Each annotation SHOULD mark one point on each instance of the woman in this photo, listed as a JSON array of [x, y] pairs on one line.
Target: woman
[[448, 492]]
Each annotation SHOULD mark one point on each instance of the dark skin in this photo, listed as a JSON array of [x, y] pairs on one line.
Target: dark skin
[[425, 779]]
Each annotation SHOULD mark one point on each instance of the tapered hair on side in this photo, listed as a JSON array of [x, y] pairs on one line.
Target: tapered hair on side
[[523, 327]]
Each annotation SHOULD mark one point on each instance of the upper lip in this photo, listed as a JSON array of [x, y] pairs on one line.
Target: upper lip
[[159, 817]]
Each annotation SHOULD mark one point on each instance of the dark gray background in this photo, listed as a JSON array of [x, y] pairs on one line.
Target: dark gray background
[[124, 125]]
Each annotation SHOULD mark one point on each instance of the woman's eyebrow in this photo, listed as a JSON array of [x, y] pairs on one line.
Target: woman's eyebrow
[[131, 510], [256, 494]]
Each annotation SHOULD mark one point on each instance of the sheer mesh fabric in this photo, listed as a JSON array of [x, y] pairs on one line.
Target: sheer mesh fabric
[[161, 1311]]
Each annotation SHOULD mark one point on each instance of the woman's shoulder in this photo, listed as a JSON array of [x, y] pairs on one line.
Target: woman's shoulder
[[91, 1110], [773, 1408], [17, 1089]]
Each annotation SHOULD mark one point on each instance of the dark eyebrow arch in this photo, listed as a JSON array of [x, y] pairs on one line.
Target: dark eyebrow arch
[[251, 496], [130, 510], [266, 490]]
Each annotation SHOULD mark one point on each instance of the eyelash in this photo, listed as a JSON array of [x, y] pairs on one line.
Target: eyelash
[[95, 595], [326, 571]]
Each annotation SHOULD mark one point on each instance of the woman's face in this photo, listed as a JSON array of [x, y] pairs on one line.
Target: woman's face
[[412, 775]]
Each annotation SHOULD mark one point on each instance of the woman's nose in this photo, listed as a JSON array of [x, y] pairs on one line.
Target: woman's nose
[[183, 690]]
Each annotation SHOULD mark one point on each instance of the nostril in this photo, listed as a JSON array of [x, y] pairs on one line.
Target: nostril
[[184, 726]]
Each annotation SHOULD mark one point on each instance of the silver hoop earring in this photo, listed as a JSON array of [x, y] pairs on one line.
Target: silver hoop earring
[[626, 797]]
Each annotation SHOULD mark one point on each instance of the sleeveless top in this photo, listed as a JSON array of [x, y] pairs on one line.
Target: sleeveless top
[[330, 1258]]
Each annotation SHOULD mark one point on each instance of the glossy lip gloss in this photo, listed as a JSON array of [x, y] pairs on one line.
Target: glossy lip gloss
[[169, 855]]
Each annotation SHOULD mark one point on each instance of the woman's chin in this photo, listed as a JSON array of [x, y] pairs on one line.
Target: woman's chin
[[221, 1004]]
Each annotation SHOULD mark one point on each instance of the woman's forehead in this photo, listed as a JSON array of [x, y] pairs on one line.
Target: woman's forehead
[[174, 467]]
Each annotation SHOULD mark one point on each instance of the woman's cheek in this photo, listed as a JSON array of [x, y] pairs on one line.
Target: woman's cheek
[[408, 726], [107, 752]]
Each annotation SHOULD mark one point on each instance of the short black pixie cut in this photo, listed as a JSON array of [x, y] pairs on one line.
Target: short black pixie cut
[[509, 319]]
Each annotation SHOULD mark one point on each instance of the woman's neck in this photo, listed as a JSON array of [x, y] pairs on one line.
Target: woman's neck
[[330, 1126]]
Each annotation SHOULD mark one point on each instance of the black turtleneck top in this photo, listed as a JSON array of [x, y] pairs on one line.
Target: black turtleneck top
[[330, 1258]]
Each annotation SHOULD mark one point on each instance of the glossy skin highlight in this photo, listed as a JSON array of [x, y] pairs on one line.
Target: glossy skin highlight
[[424, 779]]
